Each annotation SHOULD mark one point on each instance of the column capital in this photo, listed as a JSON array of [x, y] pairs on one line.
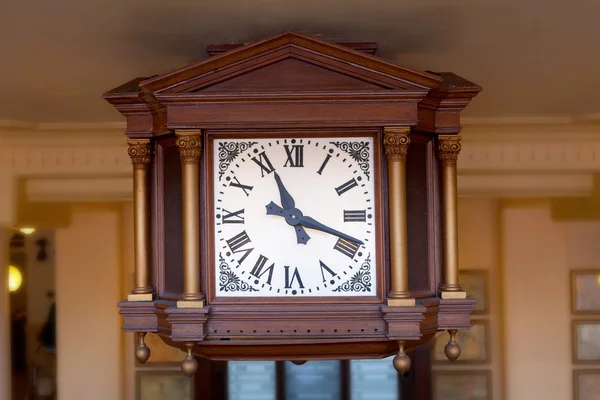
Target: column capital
[[396, 140], [140, 152], [448, 148], [189, 142]]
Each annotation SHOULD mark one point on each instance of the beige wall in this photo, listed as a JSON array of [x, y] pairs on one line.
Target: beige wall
[[529, 256], [536, 301], [479, 249], [88, 286]]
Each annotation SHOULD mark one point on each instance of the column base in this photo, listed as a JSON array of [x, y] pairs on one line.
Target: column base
[[140, 297], [190, 304], [453, 295], [401, 302]]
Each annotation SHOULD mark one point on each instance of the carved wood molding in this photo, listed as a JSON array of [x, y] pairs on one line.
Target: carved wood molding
[[499, 157]]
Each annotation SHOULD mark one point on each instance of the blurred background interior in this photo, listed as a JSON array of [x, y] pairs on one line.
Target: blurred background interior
[[529, 209]]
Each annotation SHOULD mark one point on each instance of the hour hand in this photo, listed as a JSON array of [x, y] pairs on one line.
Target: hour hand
[[301, 235], [311, 223], [287, 201]]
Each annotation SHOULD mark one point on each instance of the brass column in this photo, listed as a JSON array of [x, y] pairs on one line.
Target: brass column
[[448, 149], [395, 143], [189, 142], [140, 153]]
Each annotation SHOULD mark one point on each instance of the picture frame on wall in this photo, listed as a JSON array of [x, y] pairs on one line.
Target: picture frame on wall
[[475, 283], [474, 343], [161, 354], [586, 341], [462, 385], [163, 384], [585, 291], [586, 384]]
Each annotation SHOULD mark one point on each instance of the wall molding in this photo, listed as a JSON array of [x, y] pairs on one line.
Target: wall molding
[[501, 157]]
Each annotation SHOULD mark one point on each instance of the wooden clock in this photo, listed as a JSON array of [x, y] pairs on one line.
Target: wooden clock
[[295, 199]]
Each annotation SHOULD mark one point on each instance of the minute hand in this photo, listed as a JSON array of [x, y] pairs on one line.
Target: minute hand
[[310, 223]]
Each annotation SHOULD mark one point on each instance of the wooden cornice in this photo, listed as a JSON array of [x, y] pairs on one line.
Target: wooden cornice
[[440, 111]]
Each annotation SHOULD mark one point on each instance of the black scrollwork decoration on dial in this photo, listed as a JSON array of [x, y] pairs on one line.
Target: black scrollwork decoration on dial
[[228, 152], [229, 281], [361, 281], [359, 151]]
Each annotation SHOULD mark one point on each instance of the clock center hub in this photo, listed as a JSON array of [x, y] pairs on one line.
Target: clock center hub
[[293, 216]]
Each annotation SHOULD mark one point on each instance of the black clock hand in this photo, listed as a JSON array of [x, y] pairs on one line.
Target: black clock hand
[[291, 217], [287, 201], [311, 223]]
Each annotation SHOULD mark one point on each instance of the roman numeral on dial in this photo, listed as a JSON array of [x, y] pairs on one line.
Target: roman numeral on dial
[[264, 163], [295, 276], [346, 247], [324, 164], [236, 217], [329, 271], [259, 269], [237, 242], [295, 155], [346, 186], [355, 215], [237, 184]]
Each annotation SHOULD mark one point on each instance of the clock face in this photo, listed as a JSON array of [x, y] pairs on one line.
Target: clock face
[[294, 217]]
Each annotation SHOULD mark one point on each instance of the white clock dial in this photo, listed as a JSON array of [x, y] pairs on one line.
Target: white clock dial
[[294, 217]]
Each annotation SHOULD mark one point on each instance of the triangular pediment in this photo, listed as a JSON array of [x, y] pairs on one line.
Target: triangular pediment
[[294, 63], [290, 74]]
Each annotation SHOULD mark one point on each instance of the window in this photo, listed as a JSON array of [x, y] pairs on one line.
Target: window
[[314, 380]]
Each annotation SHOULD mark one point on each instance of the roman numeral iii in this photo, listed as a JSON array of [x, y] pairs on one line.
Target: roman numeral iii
[[346, 186], [346, 247], [354, 215], [264, 163], [295, 155]]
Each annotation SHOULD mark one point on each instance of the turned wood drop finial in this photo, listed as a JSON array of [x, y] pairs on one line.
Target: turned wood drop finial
[[142, 352], [452, 349]]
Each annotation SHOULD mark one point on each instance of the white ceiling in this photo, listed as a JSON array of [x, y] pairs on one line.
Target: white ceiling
[[532, 57]]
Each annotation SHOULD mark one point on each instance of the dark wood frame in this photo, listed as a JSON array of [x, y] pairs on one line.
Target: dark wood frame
[[486, 287], [208, 257], [486, 373], [462, 361], [163, 371], [574, 274], [433, 210], [574, 336], [576, 374]]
